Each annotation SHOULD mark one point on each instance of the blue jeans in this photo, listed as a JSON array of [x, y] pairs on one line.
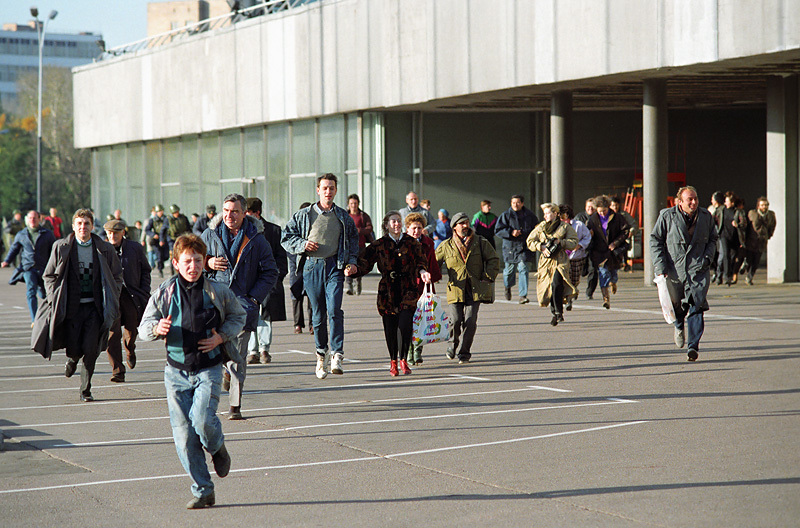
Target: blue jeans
[[694, 320], [607, 276], [509, 276], [192, 398], [33, 285], [324, 285], [261, 339]]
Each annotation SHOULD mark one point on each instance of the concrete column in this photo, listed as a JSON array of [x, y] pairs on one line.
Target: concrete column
[[654, 158], [561, 182], [783, 178]]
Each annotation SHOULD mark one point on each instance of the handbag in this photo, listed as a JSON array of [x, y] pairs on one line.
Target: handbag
[[431, 324], [485, 286]]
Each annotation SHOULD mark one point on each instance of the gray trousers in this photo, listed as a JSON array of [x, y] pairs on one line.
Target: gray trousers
[[238, 371], [465, 323]]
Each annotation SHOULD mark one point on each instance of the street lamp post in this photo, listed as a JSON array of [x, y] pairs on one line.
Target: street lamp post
[[41, 29]]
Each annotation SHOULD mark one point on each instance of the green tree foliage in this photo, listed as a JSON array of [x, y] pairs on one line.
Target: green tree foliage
[[66, 171], [17, 166]]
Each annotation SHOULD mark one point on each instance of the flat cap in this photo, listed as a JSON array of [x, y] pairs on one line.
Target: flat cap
[[458, 218], [114, 225]]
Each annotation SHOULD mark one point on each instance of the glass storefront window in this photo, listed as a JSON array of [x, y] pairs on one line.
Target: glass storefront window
[[137, 198], [153, 171], [231, 155], [210, 170], [277, 203], [303, 148], [119, 173]]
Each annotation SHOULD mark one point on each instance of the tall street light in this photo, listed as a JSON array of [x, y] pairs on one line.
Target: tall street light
[[40, 30]]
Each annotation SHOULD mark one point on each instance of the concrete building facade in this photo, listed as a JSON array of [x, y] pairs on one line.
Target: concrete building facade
[[460, 100]]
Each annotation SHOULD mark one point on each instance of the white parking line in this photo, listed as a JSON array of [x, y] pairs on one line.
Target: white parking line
[[359, 422], [539, 387], [284, 408], [329, 462], [660, 315], [266, 391]]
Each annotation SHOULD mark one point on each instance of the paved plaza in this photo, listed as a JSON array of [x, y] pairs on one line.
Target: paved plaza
[[598, 422]]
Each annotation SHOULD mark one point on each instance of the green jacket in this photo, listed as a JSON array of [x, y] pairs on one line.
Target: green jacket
[[480, 269]]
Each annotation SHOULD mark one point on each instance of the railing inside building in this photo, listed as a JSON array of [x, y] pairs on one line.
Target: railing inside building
[[236, 15]]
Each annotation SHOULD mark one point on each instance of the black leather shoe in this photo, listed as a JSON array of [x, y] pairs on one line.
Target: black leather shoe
[[692, 354], [198, 503], [554, 321], [118, 378], [222, 462], [87, 398], [70, 368], [451, 353], [131, 360]]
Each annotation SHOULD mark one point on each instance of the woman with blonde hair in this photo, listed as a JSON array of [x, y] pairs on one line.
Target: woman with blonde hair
[[551, 238]]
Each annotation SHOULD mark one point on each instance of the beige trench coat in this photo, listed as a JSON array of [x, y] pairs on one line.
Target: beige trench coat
[[549, 266]]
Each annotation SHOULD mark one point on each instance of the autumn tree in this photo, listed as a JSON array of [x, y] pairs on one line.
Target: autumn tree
[[66, 171]]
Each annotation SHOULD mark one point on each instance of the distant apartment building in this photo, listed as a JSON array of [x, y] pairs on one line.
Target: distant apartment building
[[19, 54], [168, 16]]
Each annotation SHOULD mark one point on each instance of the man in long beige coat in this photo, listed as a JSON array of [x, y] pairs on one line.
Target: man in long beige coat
[[553, 279]]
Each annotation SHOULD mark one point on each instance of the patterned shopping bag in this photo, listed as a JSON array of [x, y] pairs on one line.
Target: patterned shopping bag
[[431, 322]]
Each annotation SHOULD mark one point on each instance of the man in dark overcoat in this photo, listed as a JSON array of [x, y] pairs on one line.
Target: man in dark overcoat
[[682, 245], [82, 279], [132, 298], [273, 307]]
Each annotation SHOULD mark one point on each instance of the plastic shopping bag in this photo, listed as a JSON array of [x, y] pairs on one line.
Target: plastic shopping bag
[[431, 323], [668, 309]]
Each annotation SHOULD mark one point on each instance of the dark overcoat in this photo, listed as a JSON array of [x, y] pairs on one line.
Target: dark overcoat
[[515, 248], [49, 328], [135, 274], [616, 232], [684, 258], [274, 304], [254, 273]]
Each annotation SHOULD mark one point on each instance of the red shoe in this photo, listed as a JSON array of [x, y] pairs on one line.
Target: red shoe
[[404, 367], [393, 368]]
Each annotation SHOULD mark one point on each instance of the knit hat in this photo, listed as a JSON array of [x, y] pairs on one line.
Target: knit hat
[[458, 218]]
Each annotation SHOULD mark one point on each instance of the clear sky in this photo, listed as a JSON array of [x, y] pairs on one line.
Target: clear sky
[[119, 21]]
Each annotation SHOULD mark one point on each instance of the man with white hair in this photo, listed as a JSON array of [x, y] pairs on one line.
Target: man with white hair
[[682, 244], [414, 207]]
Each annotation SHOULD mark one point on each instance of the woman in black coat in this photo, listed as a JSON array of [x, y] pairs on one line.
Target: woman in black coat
[[609, 232]]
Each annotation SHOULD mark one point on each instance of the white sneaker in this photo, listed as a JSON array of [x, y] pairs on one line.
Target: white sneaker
[[336, 366], [321, 371]]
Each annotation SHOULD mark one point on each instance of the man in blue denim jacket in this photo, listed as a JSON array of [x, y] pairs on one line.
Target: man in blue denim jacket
[[327, 236], [199, 320]]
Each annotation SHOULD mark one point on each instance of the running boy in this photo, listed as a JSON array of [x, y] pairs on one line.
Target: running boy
[[197, 318]]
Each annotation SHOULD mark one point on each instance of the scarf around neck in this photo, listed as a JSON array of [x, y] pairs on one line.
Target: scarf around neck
[[463, 246], [552, 226], [232, 246]]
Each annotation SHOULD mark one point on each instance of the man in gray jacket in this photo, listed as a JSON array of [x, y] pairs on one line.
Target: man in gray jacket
[[682, 244]]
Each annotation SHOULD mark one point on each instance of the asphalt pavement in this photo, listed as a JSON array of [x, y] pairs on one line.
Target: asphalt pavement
[[597, 422]]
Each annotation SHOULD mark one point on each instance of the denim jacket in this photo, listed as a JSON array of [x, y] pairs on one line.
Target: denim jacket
[[295, 236]]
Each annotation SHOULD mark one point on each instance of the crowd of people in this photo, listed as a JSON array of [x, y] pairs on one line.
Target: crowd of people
[[215, 311]]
